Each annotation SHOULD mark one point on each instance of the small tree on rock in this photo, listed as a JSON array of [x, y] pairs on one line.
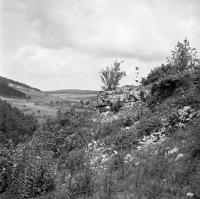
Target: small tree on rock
[[111, 76]]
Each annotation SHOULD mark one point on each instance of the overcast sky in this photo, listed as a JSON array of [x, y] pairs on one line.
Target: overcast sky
[[57, 44]]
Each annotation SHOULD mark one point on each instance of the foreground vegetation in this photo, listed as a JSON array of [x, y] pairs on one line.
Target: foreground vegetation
[[92, 155]]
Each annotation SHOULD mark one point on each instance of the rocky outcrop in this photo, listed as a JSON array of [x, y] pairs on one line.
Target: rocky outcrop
[[186, 114], [126, 94]]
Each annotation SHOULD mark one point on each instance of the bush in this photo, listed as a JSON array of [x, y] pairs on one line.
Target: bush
[[32, 172], [5, 167], [80, 181], [83, 184], [124, 140], [181, 89], [165, 88], [107, 129], [148, 126], [116, 106], [129, 115], [69, 131], [157, 74]]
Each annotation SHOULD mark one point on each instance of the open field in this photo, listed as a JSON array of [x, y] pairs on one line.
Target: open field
[[46, 104], [42, 110], [36, 96], [56, 96], [75, 97], [29, 107]]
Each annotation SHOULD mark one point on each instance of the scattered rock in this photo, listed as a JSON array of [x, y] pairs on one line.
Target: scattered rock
[[128, 158], [180, 155], [174, 150], [190, 195], [186, 114]]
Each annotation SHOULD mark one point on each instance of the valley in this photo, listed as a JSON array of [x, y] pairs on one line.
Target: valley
[[45, 104]]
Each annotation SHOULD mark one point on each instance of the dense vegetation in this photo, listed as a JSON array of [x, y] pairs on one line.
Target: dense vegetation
[[7, 91], [85, 155], [7, 81], [15, 127]]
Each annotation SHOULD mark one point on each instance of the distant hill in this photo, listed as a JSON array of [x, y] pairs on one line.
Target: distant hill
[[8, 91], [14, 89], [72, 91], [10, 81]]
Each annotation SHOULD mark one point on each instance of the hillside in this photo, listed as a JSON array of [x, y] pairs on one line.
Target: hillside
[[30, 101], [33, 94], [10, 81], [11, 88], [8, 91]]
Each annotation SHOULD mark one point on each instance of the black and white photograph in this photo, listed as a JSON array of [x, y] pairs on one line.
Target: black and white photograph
[[99, 99]]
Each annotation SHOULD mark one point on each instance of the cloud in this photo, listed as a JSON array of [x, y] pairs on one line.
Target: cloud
[[66, 38]]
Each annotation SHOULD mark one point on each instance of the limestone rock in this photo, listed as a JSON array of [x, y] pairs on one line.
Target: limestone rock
[[186, 114], [122, 95]]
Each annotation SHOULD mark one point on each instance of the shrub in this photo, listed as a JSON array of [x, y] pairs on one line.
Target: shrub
[[107, 129], [181, 89], [131, 114], [80, 181], [116, 106], [123, 140], [69, 131], [164, 88], [83, 184], [5, 167], [32, 172], [147, 126], [110, 179], [157, 74]]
